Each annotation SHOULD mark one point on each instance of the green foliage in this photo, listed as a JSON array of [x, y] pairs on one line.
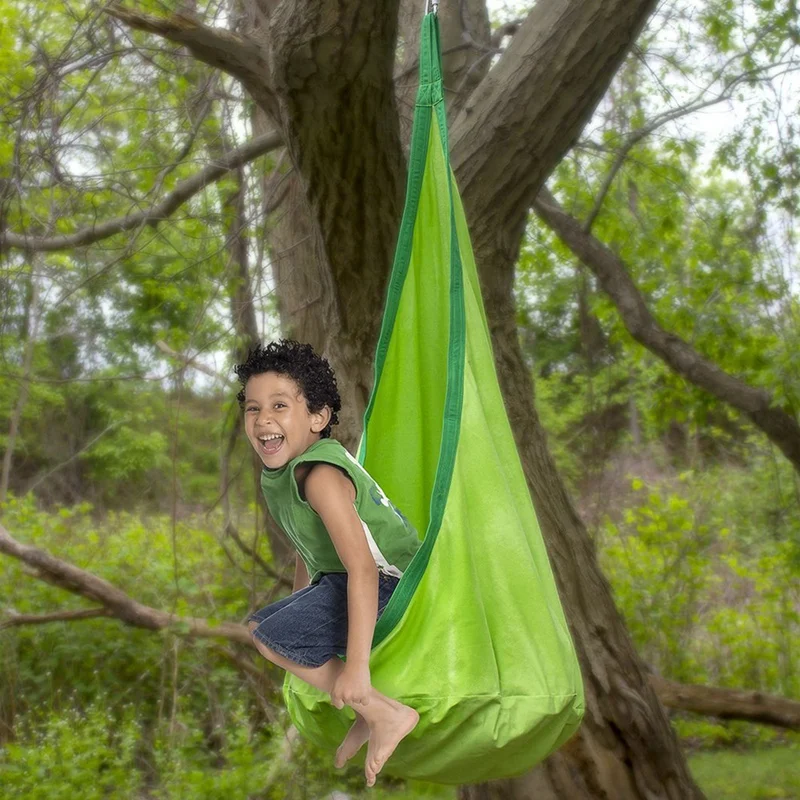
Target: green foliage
[[658, 567], [706, 226], [700, 272], [246, 764], [94, 755], [90, 756], [706, 600], [102, 122], [121, 445]]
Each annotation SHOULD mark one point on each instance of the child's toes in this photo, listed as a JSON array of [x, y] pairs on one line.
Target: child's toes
[[373, 766]]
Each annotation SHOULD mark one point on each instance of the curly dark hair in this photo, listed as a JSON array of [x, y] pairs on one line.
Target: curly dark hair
[[312, 374]]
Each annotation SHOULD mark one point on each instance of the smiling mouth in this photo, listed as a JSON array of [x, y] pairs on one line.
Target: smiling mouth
[[270, 444]]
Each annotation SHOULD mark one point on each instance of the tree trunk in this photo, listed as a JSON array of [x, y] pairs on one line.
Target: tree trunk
[[243, 316], [29, 341]]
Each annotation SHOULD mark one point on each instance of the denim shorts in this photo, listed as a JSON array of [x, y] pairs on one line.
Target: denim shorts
[[309, 627]]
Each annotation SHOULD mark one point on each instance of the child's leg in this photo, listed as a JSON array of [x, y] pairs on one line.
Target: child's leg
[[387, 720]]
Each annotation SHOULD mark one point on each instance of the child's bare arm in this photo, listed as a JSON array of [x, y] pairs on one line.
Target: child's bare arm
[[331, 494], [301, 579]]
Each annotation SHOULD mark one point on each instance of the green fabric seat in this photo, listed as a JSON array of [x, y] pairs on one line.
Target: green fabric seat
[[474, 637]]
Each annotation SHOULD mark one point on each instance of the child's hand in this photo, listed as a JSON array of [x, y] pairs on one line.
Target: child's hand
[[352, 687]]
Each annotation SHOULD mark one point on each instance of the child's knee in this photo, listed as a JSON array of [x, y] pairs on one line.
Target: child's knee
[[252, 625]]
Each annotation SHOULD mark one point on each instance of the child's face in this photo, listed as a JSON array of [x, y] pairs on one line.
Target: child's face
[[277, 420]]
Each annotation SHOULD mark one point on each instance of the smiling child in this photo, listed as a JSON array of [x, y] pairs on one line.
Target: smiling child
[[352, 544]]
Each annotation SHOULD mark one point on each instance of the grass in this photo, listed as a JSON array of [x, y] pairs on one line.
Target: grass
[[765, 774]]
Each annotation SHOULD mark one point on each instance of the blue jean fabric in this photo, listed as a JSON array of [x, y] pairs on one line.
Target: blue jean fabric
[[309, 627]]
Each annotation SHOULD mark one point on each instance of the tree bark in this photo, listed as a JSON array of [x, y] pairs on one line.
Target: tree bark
[[337, 114]]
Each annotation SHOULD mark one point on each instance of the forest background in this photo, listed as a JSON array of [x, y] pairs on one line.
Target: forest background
[[144, 204]]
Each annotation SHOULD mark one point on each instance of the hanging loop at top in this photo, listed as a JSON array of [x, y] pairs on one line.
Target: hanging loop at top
[[431, 6], [430, 56]]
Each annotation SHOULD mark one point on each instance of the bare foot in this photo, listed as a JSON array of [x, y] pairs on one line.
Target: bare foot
[[387, 730], [353, 742]]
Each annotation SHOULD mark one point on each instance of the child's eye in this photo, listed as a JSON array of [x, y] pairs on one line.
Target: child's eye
[[280, 405], [252, 408]]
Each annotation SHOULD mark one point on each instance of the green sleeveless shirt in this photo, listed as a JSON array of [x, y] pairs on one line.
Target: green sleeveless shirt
[[392, 539]]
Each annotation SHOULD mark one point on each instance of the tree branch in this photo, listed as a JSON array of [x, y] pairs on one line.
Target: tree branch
[[611, 271], [152, 216], [634, 137], [190, 361], [75, 455], [237, 55], [230, 530], [15, 620], [78, 581], [714, 701], [710, 700]]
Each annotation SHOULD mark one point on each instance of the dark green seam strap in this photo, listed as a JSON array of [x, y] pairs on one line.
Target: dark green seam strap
[[454, 395]]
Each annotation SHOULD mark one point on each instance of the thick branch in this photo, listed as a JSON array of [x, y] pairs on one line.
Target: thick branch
[[758, 404], [78, 581], [241, 57], [152, 216], [714, 701]]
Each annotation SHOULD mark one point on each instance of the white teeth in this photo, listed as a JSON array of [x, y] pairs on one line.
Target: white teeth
[[270, 437]]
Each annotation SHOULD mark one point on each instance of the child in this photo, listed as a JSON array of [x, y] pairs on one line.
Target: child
[[352, 544]]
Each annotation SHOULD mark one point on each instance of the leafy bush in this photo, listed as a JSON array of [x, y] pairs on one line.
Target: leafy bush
[[68, 755], [705, 603]]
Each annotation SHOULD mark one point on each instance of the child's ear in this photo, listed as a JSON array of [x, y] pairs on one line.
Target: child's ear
[[320, 419]]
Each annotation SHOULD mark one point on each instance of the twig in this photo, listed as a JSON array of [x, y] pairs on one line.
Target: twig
[[15, 620]]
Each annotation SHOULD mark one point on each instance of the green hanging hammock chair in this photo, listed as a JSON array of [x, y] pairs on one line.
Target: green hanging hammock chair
[[474, 636]]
